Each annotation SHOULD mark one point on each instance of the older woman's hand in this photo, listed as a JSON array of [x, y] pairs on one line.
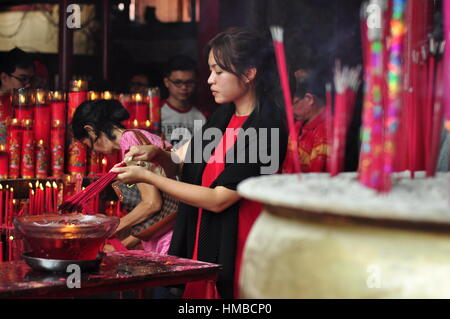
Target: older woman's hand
[[142, 153], [131, 174]]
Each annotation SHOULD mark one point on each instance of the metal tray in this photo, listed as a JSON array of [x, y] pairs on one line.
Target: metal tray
[[54, 265]]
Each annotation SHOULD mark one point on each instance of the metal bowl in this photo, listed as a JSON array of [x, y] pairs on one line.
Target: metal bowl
[[66, 237], [57, 266]]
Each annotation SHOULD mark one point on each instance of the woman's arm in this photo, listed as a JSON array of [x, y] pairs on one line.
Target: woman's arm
[[150, 204], [171, 162], [215, 200]]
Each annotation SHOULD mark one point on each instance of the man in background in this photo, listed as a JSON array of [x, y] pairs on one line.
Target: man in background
[[178, 110], [309, 112], [17, 70]]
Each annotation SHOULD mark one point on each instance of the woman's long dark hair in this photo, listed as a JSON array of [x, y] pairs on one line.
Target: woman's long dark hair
[[238, 49], [102, 115]]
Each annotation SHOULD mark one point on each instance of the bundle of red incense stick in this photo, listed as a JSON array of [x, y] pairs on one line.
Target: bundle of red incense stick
[[79, 201]]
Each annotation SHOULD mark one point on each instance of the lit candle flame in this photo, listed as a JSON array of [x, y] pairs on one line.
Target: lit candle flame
[[48, 184], [41, 142], [11, 237], [147, 123], [40, 97], [57, 122], [135, 123], [55, 185], [14, 121], [31, 185], [41, 187], [2, 147], [14, 201], [22, 98], [107, 95], [1, 187], [104, 161], [79, 84], [138, 97]]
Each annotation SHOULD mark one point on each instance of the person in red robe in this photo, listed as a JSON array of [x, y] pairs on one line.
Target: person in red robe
[[309, 112], [213, 221]]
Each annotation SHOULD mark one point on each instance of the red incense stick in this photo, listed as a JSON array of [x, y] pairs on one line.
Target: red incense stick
[[277, 35], [79, 201]]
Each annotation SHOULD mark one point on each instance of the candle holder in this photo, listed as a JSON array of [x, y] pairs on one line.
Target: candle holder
[[58, 107], [22, 106], [42, 114], [77, 95]]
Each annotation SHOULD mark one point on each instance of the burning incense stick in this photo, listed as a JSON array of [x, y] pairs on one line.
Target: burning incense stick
[[79, 201], [277, 35]]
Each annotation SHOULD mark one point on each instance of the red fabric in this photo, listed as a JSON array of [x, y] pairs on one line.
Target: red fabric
[[314, 147], [248, 211]]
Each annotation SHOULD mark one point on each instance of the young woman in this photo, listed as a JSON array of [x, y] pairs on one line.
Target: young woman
[[213, 220], [98, 125]]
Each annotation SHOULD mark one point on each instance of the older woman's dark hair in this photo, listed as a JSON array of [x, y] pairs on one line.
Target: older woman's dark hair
[[238, 49], [102, 115]]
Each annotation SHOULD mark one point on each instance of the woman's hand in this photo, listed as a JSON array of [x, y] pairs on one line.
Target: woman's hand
[[131, 174], [142, 152]]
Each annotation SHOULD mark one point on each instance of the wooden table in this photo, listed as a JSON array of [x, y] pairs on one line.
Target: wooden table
[[119, 271]]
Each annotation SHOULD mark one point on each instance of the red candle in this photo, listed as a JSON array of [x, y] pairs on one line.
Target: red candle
[[77, 158], [128, 104], [95, 163], [141, 109], [3, 162], [5, 115], [14, 148], [42, 115], [57, 142], [11, 207], [41, 160], [77, 96], [27, 167], [112, 160], [22, 107], [30, 199], [1, 208], [41, 198], [104, 164], [48, 197], [155, 110], [55, 196], [58, 107], [6, 206]]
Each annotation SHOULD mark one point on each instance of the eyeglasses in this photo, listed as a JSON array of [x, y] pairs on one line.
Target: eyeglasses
[[24, 80], [180, 83]]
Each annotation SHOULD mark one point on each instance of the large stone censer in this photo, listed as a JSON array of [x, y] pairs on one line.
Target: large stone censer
[[332, 238]]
